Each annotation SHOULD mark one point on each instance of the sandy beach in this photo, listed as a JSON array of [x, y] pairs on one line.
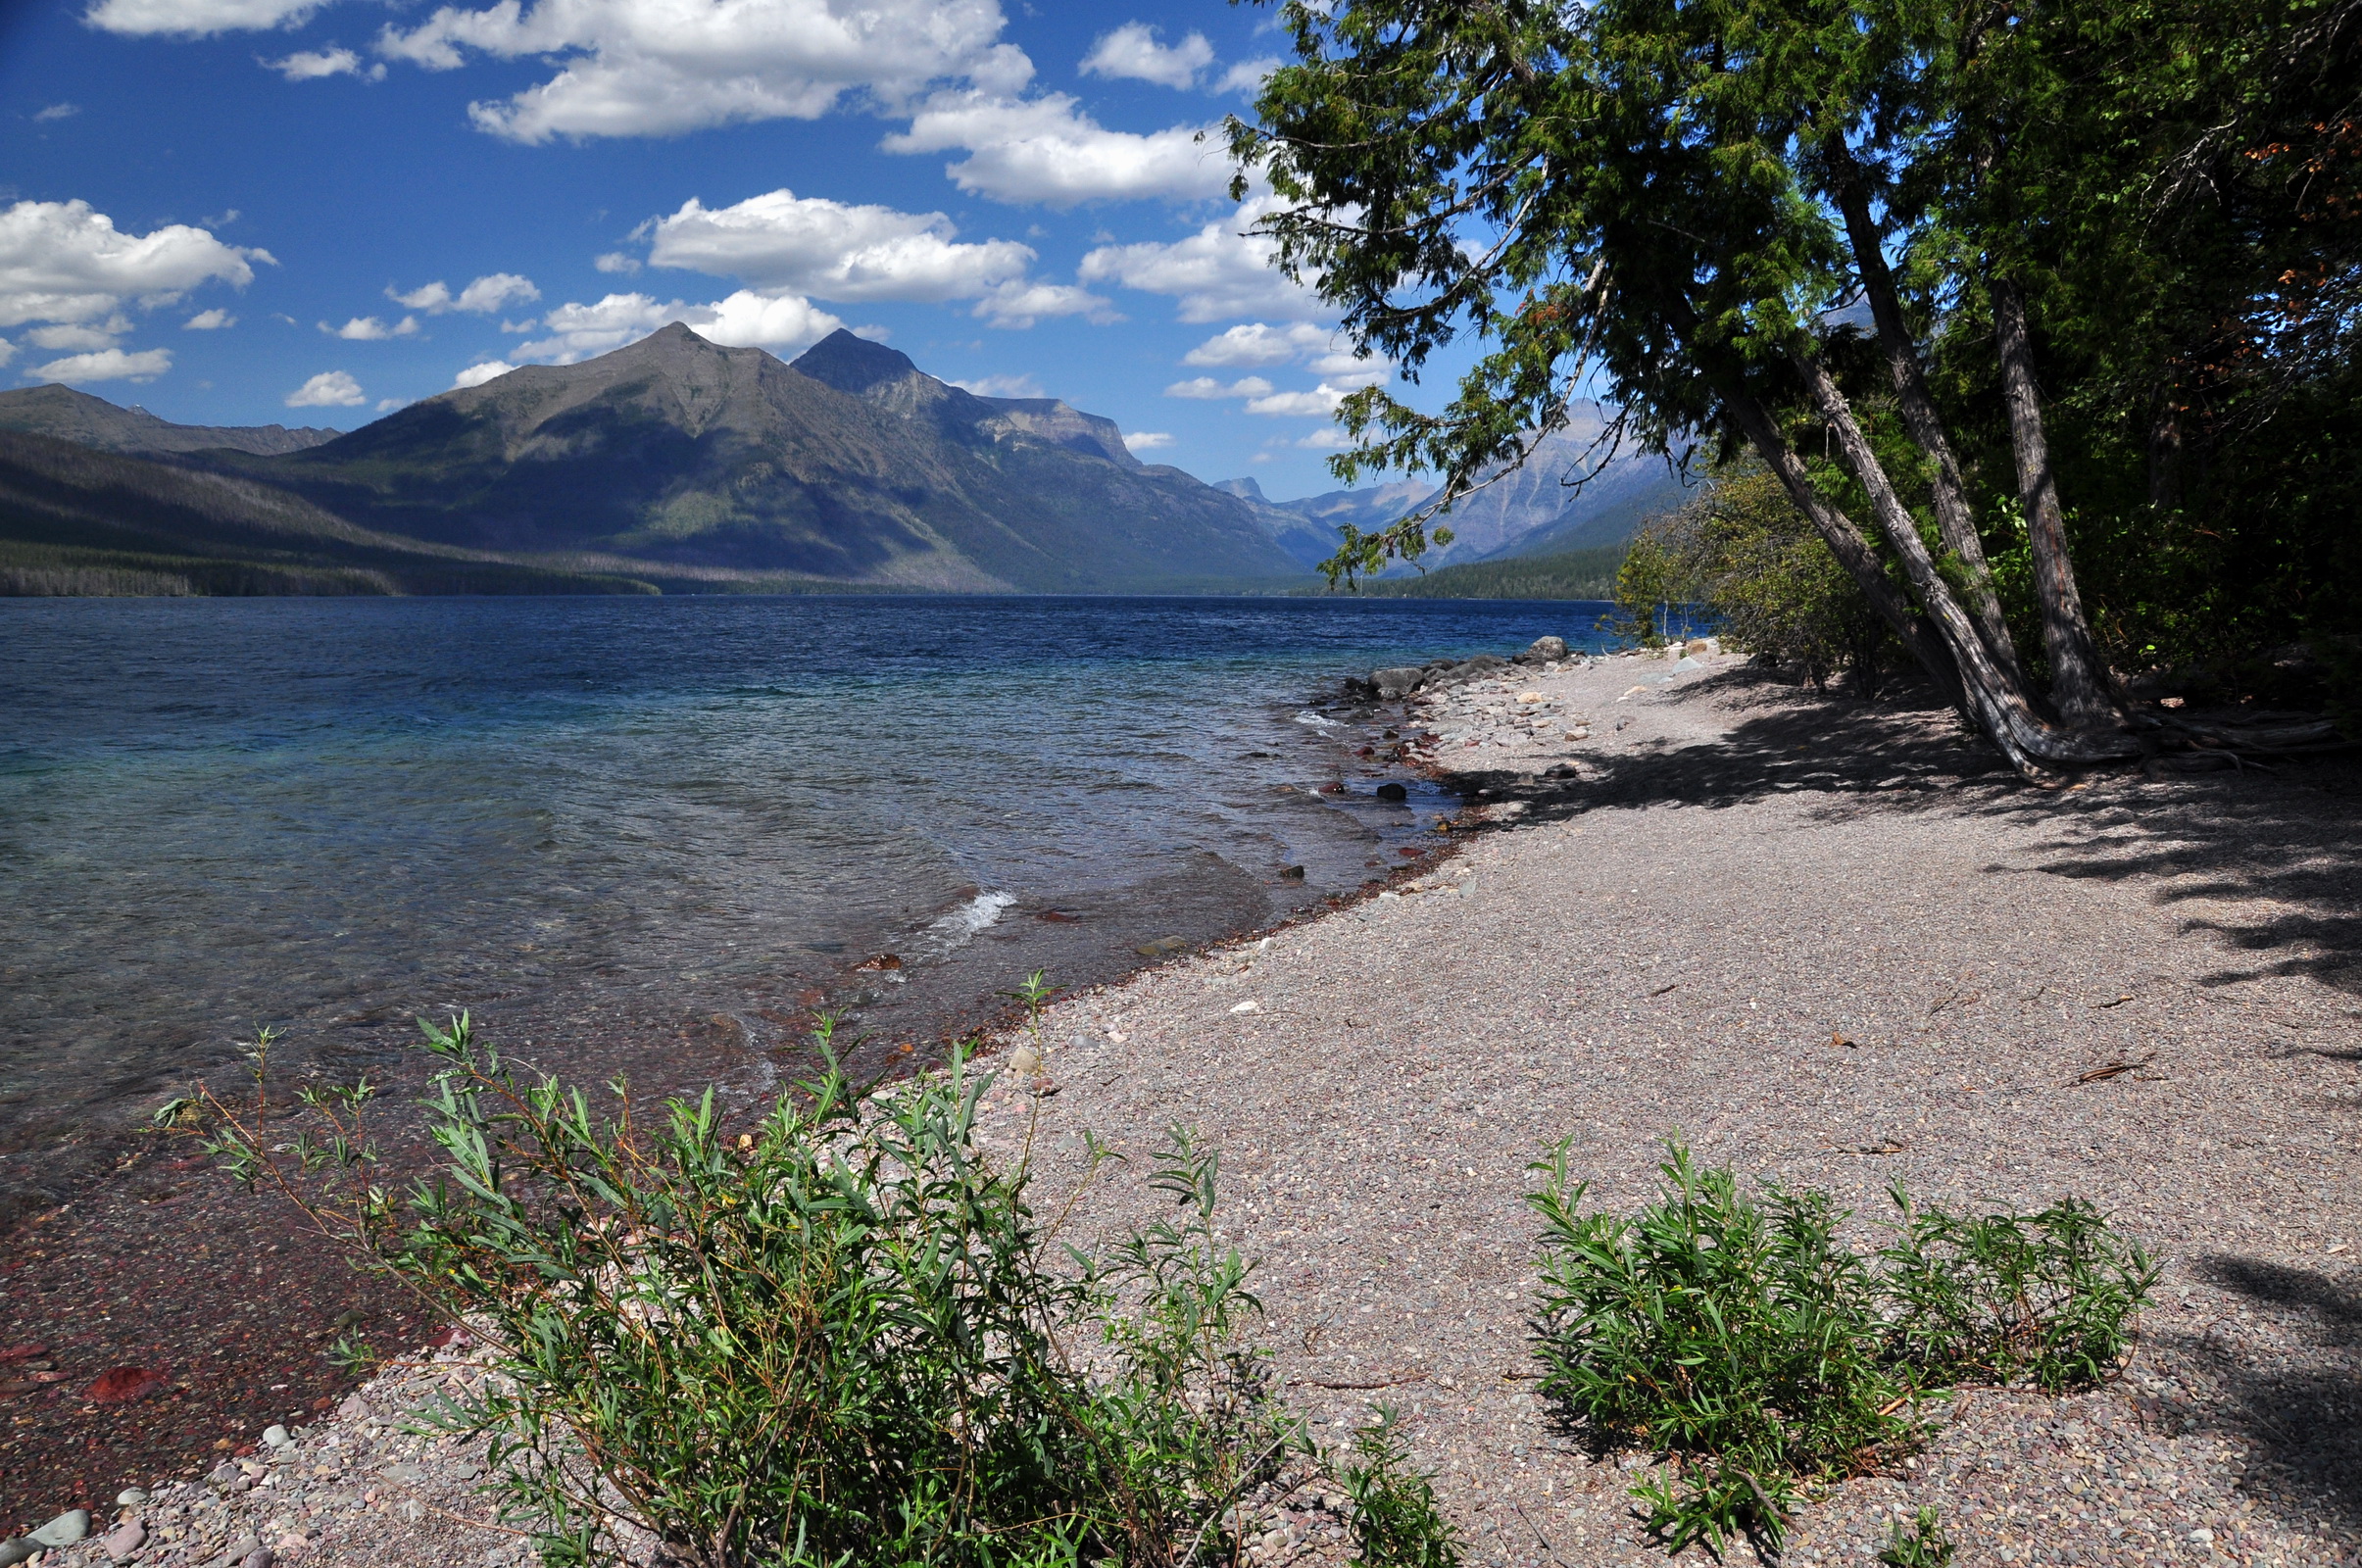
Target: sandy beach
[[1827, 943]]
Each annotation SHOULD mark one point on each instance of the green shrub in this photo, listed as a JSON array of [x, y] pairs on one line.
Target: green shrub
[[839, 1337], [1395, 1518], [1923, 1544], [1760, 1357]]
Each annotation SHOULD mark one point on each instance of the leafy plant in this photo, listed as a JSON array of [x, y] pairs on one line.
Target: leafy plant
[[1923, 1544], [1739, 1340], [841, 1335], [1395, 1518], [1742, 1342]]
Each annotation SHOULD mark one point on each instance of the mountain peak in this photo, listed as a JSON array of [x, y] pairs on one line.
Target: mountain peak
[[852, 363]]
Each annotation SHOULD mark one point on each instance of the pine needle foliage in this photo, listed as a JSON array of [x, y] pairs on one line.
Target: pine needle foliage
[[1741, 1340]]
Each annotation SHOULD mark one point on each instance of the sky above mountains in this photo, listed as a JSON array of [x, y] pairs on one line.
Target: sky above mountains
[[310, 212]]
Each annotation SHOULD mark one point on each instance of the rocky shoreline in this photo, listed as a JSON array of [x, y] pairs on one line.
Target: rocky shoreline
[[2135, 992]]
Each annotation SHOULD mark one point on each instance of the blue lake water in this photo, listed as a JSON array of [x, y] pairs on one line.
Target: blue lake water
[[599, 817]]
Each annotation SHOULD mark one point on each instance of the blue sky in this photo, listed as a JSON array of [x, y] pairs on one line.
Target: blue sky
[[241, 212]]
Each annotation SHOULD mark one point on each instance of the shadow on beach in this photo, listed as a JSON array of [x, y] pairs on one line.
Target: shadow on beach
[[2285, 843]]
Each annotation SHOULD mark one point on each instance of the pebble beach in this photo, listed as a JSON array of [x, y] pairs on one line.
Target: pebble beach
[[1828, 942]]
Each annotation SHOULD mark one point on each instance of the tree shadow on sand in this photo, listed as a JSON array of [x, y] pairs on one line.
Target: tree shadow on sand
[[2297, 1403], [2284, 843]]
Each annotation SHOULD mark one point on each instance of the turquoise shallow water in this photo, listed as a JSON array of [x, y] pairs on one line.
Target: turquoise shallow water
[[330, 813]]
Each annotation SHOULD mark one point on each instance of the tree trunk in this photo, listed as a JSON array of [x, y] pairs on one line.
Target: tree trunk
[[1953, 519], [2080, 686]]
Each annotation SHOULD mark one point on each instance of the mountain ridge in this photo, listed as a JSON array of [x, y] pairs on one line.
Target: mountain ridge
[[61, 413]]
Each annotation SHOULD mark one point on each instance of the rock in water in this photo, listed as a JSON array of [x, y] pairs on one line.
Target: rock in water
[[1543, 651], [1391, 790], [1392, 683]]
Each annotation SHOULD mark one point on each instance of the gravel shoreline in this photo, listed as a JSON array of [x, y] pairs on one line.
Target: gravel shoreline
[[1833, 944]]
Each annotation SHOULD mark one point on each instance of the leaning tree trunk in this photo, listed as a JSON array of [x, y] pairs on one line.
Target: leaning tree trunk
[[1954, 521], [2080, 687]]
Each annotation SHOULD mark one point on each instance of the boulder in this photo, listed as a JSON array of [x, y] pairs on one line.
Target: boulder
[[1398, 681], [1543, 651], [63, 1531], [1393, 792]]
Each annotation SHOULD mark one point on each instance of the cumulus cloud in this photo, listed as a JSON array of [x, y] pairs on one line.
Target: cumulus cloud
[[107, 364], [1322, 400], [8, 350], [617, 262], [314, 64], [56, 112], [1254, 343], [810, 245], [1248, 75], [61, 262], [1220, 271], [478, 374], [212, 320], [643, 67], [1206, 387], [1146, 440], [329, 389], [1132, 51], [92, 335], [1046, 150], [1331, 439], [492, 292], [368, 329], [1002, 386], [745, 319], [198, 18], [1019, 305]]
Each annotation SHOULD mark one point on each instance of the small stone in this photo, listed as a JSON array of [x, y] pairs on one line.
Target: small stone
[[275, 1437], [1027, 1062], [1291, 873], [121, 1543], [1391, 790], [245, 1546], [12, 1553], [355, 1409], [1162, 948], [65, 1530], [260, 1557], [122, 1385], [131, 1497]]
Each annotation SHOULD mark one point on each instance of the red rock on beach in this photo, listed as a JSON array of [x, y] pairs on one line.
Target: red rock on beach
[[120, 1384]]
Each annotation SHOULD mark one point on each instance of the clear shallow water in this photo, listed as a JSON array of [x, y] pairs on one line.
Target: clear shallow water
[[586, 815]]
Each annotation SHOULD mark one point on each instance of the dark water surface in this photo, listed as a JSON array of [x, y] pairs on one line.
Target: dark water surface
[[682, 821]]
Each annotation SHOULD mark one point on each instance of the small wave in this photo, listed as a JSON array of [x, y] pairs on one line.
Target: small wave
[[1316, 720], [960, 926]]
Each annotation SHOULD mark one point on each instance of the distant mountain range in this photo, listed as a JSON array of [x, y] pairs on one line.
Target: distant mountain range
[[1532, 512], [679, 465]]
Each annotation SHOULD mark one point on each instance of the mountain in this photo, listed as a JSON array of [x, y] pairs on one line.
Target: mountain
[[850, 464], [1530, 512], [1306, 528], [62, 413], [78, 520]]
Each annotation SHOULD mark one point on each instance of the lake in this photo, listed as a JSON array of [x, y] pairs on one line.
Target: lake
[[643, 834]]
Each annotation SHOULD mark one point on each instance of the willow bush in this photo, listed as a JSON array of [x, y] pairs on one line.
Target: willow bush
[[841, 1335]]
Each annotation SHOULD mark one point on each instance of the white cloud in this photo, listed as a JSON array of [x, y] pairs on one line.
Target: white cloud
[[8, 350], [94, 335], [61, 262], [1132, 51], [1219, 271], [1002, 386], [525, 325], [745, 319], [108, 364], [56, 112], [1146, 440], [368, 329], [1330, 439], [1205, 386], [492, 292], [1046, 150], [197, 18], [654, 67], [314, 64], [329, 389], [617, 262], [1254, 343], [1019, 305], [810, 245], [389, 405], [1247, 74], [478, 374], [212, 320], [1322, 400]]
